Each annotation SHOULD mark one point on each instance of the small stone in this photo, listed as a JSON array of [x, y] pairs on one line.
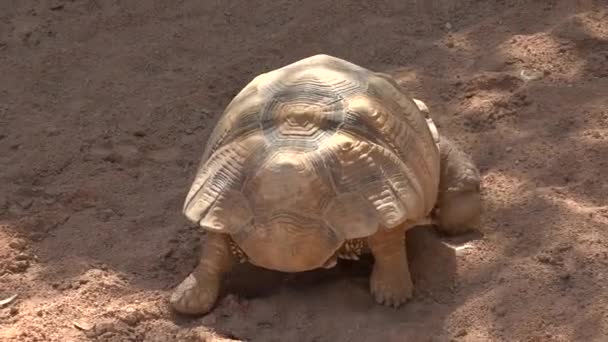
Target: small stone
[[500, 311], [509, 149], [139, 134], [6, 301], [84, 326], [448, 26], [22, 256], [531, 74], [40, 313], [450, 44], [19, 266], [209, 319], [596, 135], [13, 311], [18, 244], [64, 286], [131, 316], [105, 214], [461, 333], [264, 325]]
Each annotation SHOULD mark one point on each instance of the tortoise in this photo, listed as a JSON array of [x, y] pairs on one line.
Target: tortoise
[[318, 160]]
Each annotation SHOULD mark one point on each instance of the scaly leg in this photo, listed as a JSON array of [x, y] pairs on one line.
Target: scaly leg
[[199, 291], [391, 282]]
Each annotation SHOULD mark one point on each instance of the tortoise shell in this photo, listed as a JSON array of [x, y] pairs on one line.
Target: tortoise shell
[[311, 155]]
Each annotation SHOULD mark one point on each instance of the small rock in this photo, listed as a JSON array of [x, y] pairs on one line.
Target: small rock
[[84, 326], [264, 325], [448, 26], [139, 134], [22, 256], [7, 301], [531, 74], [565, 276], [18, 244], [19, 266], [13, 311], [461, 333], [209, 319], [500, 311], [57, 7], [25, 203], [40, 313], [64, 286], [596, 135], [131, 317], [105, 214], [509, 149], [450, 44]]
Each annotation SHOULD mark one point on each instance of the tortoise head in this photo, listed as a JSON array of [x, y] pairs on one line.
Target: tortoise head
[[458, 206], [459, 201]]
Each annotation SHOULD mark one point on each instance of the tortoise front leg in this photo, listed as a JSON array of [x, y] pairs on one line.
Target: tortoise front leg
[[199, 291], [391, 282]]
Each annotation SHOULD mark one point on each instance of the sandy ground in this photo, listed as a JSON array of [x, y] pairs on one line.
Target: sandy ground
[[105, 107]]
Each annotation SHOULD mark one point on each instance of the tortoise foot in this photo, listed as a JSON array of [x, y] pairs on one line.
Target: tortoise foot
[[391, 287], [195, 296]]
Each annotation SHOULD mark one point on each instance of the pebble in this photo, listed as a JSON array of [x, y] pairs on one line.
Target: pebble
[[19, 266], [461, 333], [84, 326], [105, 214], [22, 256], [18, 244], [448, 26], [209, 319], [13, 311], [131, 317], [139, 134], [500, 311], [531, 74], [25, 203]]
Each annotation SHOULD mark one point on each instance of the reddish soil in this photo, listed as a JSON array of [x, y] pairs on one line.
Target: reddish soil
[[105, 107]]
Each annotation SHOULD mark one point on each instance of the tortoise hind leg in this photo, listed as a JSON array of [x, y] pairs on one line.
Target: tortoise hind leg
[[199, 291], [391, 282]]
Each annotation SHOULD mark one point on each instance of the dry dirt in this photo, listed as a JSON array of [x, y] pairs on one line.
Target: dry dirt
[[105, 107]]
